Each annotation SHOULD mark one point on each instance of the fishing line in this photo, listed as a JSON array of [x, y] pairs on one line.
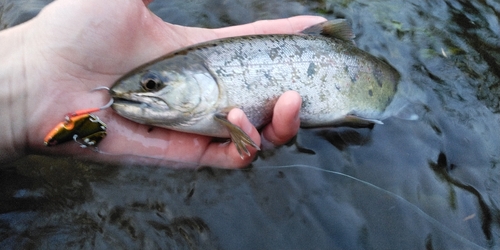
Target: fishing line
[[414, 207]]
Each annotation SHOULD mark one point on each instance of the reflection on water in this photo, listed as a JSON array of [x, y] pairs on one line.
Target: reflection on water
[[431, 183]]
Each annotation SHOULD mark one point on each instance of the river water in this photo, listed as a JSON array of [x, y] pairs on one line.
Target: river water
[[433, 183]]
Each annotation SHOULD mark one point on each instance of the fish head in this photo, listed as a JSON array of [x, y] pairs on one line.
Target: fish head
[[168, 93]]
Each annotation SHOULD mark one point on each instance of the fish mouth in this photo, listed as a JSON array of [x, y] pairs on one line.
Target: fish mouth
[[137, 101], [126, 99], [121, 104]]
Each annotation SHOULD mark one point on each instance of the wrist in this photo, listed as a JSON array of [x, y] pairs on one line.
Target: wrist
[[14, 94]]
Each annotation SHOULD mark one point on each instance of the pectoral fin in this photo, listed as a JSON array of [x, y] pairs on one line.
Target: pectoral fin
[[240, 138]]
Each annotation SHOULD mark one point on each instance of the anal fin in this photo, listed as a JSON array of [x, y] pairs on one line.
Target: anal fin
[[361, 120]]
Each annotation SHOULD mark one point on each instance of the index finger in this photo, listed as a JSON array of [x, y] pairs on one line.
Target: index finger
[[279, 26]]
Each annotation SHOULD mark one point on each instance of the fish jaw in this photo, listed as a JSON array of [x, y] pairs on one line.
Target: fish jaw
[[145, 110]]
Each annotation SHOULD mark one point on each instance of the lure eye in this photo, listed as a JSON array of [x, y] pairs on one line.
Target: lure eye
[[151, 82]]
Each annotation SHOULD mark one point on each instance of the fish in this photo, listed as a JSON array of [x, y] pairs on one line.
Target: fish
[[193, 89]]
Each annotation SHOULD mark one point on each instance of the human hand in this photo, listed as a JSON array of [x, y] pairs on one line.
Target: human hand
[[73, 46]]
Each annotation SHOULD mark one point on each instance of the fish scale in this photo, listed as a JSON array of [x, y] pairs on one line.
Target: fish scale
[[328, 93]]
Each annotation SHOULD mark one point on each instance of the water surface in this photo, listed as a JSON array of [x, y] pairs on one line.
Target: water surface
[[431, 183]]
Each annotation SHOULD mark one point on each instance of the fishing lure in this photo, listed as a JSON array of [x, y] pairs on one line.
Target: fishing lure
[[80, 126]]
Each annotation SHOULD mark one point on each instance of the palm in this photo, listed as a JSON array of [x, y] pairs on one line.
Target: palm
[[102, 40]]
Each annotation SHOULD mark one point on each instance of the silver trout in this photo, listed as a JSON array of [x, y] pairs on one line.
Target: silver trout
[[193, 89]]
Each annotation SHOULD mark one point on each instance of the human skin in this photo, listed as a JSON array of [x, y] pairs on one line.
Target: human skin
[[50, 64]]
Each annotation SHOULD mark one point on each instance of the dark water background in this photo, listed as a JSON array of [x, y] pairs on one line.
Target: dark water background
[[426, 184]]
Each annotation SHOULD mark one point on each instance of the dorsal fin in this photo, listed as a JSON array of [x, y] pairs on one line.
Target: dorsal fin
[[337, 28]]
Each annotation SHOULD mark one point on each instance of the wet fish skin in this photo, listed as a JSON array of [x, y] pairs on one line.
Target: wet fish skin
[[193, 89], [334, 78]]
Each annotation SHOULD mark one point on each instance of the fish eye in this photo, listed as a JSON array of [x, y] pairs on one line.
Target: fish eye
[[151, 82]]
